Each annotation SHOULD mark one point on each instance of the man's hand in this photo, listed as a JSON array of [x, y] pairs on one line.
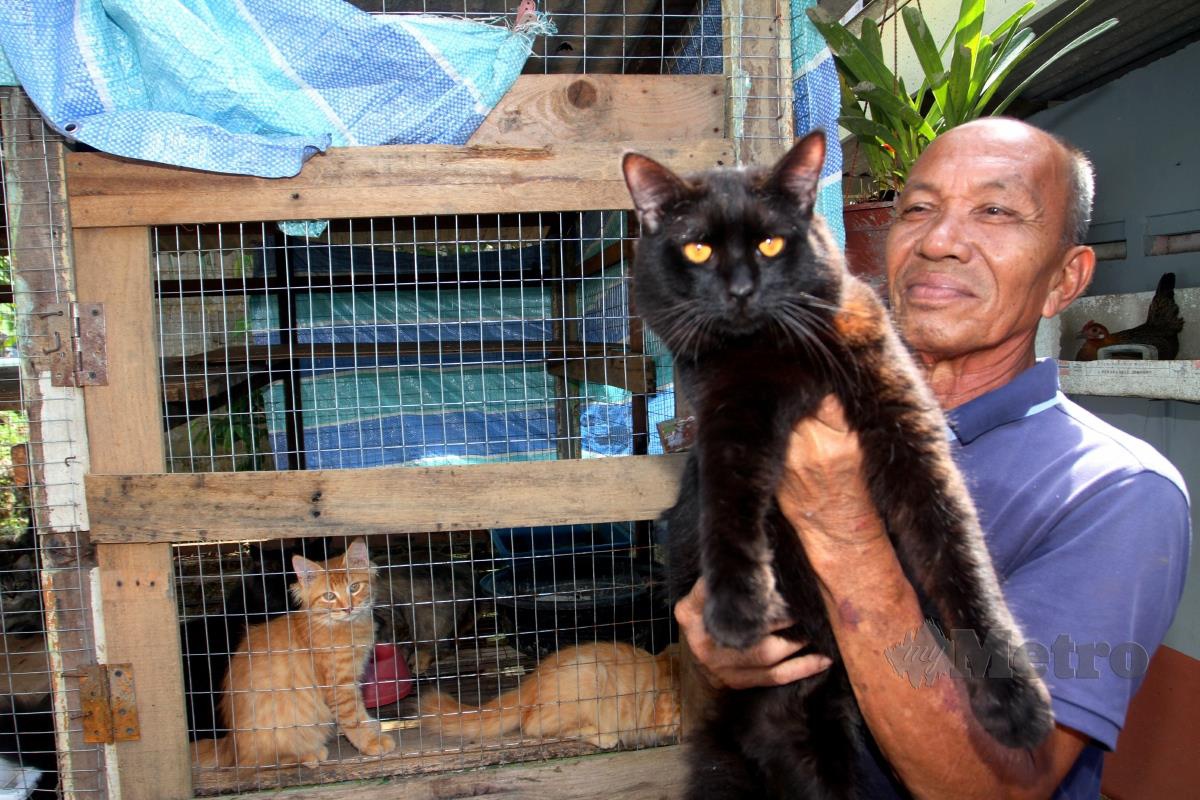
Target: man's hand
[[771, 662], [823, 491]]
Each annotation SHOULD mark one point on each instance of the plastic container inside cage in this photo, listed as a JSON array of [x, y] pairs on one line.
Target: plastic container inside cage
[[546, 603], [546, 540]]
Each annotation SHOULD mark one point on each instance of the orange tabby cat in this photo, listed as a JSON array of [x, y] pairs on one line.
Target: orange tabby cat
[[604, 693], [295, 678]]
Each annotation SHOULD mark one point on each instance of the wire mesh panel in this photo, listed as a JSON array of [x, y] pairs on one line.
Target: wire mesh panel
[[45, 617], [473, 653], [420, 341]]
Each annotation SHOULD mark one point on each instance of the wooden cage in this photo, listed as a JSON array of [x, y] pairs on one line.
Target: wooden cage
[[558, 149]]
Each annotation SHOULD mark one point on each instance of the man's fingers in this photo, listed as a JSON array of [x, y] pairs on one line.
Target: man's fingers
[[800, 667]]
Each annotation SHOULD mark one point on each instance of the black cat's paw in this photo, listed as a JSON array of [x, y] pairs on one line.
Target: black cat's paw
[[1014, 709], [738, 613]]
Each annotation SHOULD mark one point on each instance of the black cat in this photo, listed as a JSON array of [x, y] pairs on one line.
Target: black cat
[[744, 284]]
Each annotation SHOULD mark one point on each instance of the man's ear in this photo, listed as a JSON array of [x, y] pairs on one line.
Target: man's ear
[[652, 186], [1071, 279], [799, 171]]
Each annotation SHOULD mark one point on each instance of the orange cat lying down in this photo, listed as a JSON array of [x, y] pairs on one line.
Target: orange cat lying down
[[603, 693], [295, 677]]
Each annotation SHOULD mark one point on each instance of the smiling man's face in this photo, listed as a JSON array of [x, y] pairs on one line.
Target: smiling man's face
[[978, 239]]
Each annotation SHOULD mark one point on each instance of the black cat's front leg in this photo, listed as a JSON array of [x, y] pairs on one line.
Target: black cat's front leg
[[932, 524], [739, 465]]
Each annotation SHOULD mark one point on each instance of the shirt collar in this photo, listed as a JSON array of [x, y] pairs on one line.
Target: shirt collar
[[1034, 390]]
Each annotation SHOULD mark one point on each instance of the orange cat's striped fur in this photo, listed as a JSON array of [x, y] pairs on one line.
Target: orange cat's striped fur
[[295, 678], [603, 693]]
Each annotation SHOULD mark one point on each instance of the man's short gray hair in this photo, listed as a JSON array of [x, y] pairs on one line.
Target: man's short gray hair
[[1081, 193]]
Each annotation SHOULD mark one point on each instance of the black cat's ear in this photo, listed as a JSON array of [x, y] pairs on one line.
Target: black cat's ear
[[799, 171], [652, 187]]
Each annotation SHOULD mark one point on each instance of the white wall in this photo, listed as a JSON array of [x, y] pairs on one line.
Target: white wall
[[1141, 133]]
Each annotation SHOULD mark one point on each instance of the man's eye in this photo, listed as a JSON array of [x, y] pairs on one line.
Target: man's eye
[[996, 211], [915, 208]]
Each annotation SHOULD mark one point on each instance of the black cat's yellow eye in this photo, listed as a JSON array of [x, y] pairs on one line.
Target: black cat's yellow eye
[[771, 246], [330, 596], [697, 252]]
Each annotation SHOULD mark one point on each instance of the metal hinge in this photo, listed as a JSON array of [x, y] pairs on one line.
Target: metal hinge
[[75, 347], [109, 705]]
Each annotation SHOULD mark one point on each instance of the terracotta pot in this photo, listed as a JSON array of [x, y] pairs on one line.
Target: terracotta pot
[[867, 227]]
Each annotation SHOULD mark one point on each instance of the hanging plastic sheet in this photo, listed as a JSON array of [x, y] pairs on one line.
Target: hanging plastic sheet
[[256, 86]]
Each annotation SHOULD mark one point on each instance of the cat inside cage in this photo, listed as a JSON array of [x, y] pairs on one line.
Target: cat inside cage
[[303, 654]]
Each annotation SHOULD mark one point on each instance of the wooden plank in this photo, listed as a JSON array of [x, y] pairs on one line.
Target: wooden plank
[[551, 109], [757, 36], [654, 774], [262, 505], [374, 181], [39, 243], [124, 421]]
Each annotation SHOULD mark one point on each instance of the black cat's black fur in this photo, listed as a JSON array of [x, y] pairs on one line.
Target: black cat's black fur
[[759, 338]]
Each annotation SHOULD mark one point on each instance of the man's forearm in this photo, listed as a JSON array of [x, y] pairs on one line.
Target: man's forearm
[[928, 734]]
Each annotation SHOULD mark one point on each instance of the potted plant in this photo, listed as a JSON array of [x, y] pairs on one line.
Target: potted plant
[[893, 125]]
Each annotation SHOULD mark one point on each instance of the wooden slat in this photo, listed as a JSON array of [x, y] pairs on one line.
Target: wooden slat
[[39, 242], [374, 181], [655, 774], [260, 505], [551, 109], [124, 421]]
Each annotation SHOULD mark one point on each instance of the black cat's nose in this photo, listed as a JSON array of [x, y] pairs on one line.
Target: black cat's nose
[[741, 289]]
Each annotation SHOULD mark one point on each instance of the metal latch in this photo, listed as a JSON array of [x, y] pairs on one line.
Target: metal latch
[[109, 705], [75, 347]]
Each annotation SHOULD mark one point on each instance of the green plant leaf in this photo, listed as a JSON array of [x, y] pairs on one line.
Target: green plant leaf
[[1012, 23], [960, 81], [983, 61], [866, 129], [1083, 38], [890, 104], [927, 54], [1017, 48], [858, 62], [871, 40], [970, 24]]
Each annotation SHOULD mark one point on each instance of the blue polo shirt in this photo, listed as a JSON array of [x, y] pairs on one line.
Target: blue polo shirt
[[1089, 531]]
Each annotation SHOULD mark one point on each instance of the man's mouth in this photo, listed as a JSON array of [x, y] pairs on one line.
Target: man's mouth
[[937, 289]]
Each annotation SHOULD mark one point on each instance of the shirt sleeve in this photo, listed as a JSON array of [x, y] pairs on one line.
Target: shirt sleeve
[[1096, 598]]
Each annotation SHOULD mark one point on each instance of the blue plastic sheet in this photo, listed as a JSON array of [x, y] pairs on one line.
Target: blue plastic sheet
[[255, 86]]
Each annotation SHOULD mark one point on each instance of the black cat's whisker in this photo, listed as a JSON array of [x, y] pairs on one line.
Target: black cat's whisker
[[817, 302]]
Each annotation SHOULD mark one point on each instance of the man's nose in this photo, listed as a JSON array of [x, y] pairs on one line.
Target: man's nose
[[945, 237]]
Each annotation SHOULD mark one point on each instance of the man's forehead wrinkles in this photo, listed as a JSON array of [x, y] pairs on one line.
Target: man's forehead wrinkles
[[1008, 183]]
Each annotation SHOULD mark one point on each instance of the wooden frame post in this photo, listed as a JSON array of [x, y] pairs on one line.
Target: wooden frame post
[[40, 246], [124, 420]]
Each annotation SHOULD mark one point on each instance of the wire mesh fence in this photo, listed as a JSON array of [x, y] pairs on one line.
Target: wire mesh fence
[[332, 344]]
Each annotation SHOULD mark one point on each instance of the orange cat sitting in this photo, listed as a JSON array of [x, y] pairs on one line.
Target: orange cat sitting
[[602, 693], [295, 678]]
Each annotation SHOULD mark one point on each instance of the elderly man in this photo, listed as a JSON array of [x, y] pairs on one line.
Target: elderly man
[[1088, 528]]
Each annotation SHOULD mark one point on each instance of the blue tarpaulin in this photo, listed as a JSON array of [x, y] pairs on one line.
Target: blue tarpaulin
[[255, 86]]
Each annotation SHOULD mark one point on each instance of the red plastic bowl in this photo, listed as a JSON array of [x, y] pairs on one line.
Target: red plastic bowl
[[387, 678]]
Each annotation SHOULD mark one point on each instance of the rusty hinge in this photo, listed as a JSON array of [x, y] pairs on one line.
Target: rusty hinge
[[109, 705], [75, 344]]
